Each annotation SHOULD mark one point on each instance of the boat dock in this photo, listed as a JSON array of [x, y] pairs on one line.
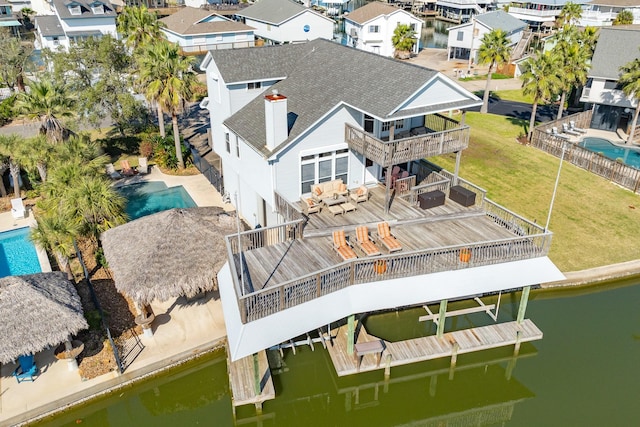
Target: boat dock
[[380, 354], [250, 381]]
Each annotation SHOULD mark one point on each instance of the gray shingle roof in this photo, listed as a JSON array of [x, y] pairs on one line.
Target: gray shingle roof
[[371, 10], [49, 25], [616, 46], [272, 11], [186, 21], [502, 20], [62, 9], [320, 75]]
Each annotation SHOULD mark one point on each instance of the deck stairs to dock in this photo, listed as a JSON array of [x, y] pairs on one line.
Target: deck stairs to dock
[[522, 46], [427, 348]]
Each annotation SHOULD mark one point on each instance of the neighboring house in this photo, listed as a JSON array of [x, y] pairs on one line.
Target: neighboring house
[[466, 39], [370, 27], [602, 13], [75, 20], [612, 109], [539, 14], [462, 10], [197, 31], [285, 21], [8, 17], [285, 119]]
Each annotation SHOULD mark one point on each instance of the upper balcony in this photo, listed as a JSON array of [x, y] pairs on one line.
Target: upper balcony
[[277, 268], [440, 135]]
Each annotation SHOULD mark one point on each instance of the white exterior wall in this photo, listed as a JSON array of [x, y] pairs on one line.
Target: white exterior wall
[[441, 91], [380, 42], [292, 30], [195, 3], [106, 25], [473, 43], [208, 39], [597, 94]]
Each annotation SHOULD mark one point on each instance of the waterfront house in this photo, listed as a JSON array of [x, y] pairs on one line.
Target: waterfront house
[[602, 13], [539, 14], [8, 17], [612, 109], [465, 39], [197, 31], [286, 120], [371, 27], [462, 10], [75, 20], [285, 21]]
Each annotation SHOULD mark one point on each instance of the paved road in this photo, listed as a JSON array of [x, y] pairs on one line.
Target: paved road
[[520, 110]]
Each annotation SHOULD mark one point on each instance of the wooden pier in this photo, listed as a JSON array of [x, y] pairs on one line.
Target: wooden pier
[[427, 348], [250, 381]]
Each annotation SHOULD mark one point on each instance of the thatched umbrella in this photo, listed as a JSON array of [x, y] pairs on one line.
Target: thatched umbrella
[[37, 311], [168, 254]]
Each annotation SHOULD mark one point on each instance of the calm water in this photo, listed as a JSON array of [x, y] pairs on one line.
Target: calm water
[[17, 253], [151, 197], [584, 372], [629, 156]]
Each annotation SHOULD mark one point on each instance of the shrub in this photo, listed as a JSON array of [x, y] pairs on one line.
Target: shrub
[[164, 152], [6, 110], [146, 148]]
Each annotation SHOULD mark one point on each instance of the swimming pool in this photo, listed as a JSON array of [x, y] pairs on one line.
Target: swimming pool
[[150, 197], [17, 253], [629, 156]]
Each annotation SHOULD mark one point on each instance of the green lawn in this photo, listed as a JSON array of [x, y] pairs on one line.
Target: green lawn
[[594, 221]]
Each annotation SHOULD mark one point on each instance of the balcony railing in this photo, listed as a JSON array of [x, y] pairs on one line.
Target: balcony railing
[[534, 12], [531, 241], [389, 153]]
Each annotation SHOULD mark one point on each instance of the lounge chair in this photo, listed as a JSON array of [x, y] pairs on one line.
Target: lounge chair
[[26, 369], [566, 129], [112, 172], [554, 132], [361, 194], [572, 125], [365, 243], [17, 208], [342, 247], [143, 166], [126, 168], [387, 239]]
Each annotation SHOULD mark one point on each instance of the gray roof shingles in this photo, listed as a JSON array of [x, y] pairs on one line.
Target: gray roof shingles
[[370, 11], [49, 25], [319, 75], [186, 21], [62, 9], [502, 20], [272, 11], [616, 47]]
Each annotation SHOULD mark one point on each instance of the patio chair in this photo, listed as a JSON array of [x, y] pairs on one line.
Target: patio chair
[[572, 125], [554, 132], [341, 246], [365, 243], [309, 205], [112, 172], [566, 129], [387, 239], [359, 195], [17, 208], [402, 186], [26, 369], [143, 166], [126, 168], [395, 173]]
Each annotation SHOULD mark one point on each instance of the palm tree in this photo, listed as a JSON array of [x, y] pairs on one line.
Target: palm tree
[[630, 82], [139, 26], [8, 147], [574, 58], [48, 102], [570, 14], [588, 38], [55, 233], [540, 79], [494, 50], [624, 17], [169, 82], [403, 40], [35, 154]]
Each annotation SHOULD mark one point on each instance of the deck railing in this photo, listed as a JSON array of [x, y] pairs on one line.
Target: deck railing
[[511, 221], [286, 208], [388, 153], [271, 300], [434, 181], [615, 171], [204, 48], [481, 193]]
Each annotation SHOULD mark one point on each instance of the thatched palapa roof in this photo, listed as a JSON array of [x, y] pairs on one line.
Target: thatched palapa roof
[[168, 254], [37, 311]]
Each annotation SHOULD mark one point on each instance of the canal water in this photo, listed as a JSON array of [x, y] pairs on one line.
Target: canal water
[[584, 372]]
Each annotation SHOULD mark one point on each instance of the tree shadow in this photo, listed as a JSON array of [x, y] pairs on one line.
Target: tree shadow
[[520, 122], [115, 145]]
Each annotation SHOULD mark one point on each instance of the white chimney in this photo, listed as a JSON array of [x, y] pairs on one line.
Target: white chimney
[[275, 118]]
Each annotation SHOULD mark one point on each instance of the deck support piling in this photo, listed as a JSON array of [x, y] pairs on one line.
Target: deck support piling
[[441, 318], [256, 375], [454, 359], [387, 366], [351, 330], [523, 303], [433, 383]]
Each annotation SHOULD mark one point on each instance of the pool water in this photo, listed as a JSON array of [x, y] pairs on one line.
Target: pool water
[[629, 156], [151, 197], [17, 253]]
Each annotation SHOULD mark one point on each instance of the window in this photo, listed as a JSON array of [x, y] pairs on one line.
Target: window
[[460, 36], [97, 10], [368, 123], [374, 28], [238, 147], [612, 84], [56, 41], [322, 167], [386, 126], [254, 85], [227, 142], [75, 9]]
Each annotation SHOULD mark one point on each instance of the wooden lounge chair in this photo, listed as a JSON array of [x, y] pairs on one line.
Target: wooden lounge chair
[[387, 239], [342, 247], [127, 170], [364, 242]]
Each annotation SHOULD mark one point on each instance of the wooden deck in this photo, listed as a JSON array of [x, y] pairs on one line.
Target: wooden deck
[[242, 379], [428, 348]]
